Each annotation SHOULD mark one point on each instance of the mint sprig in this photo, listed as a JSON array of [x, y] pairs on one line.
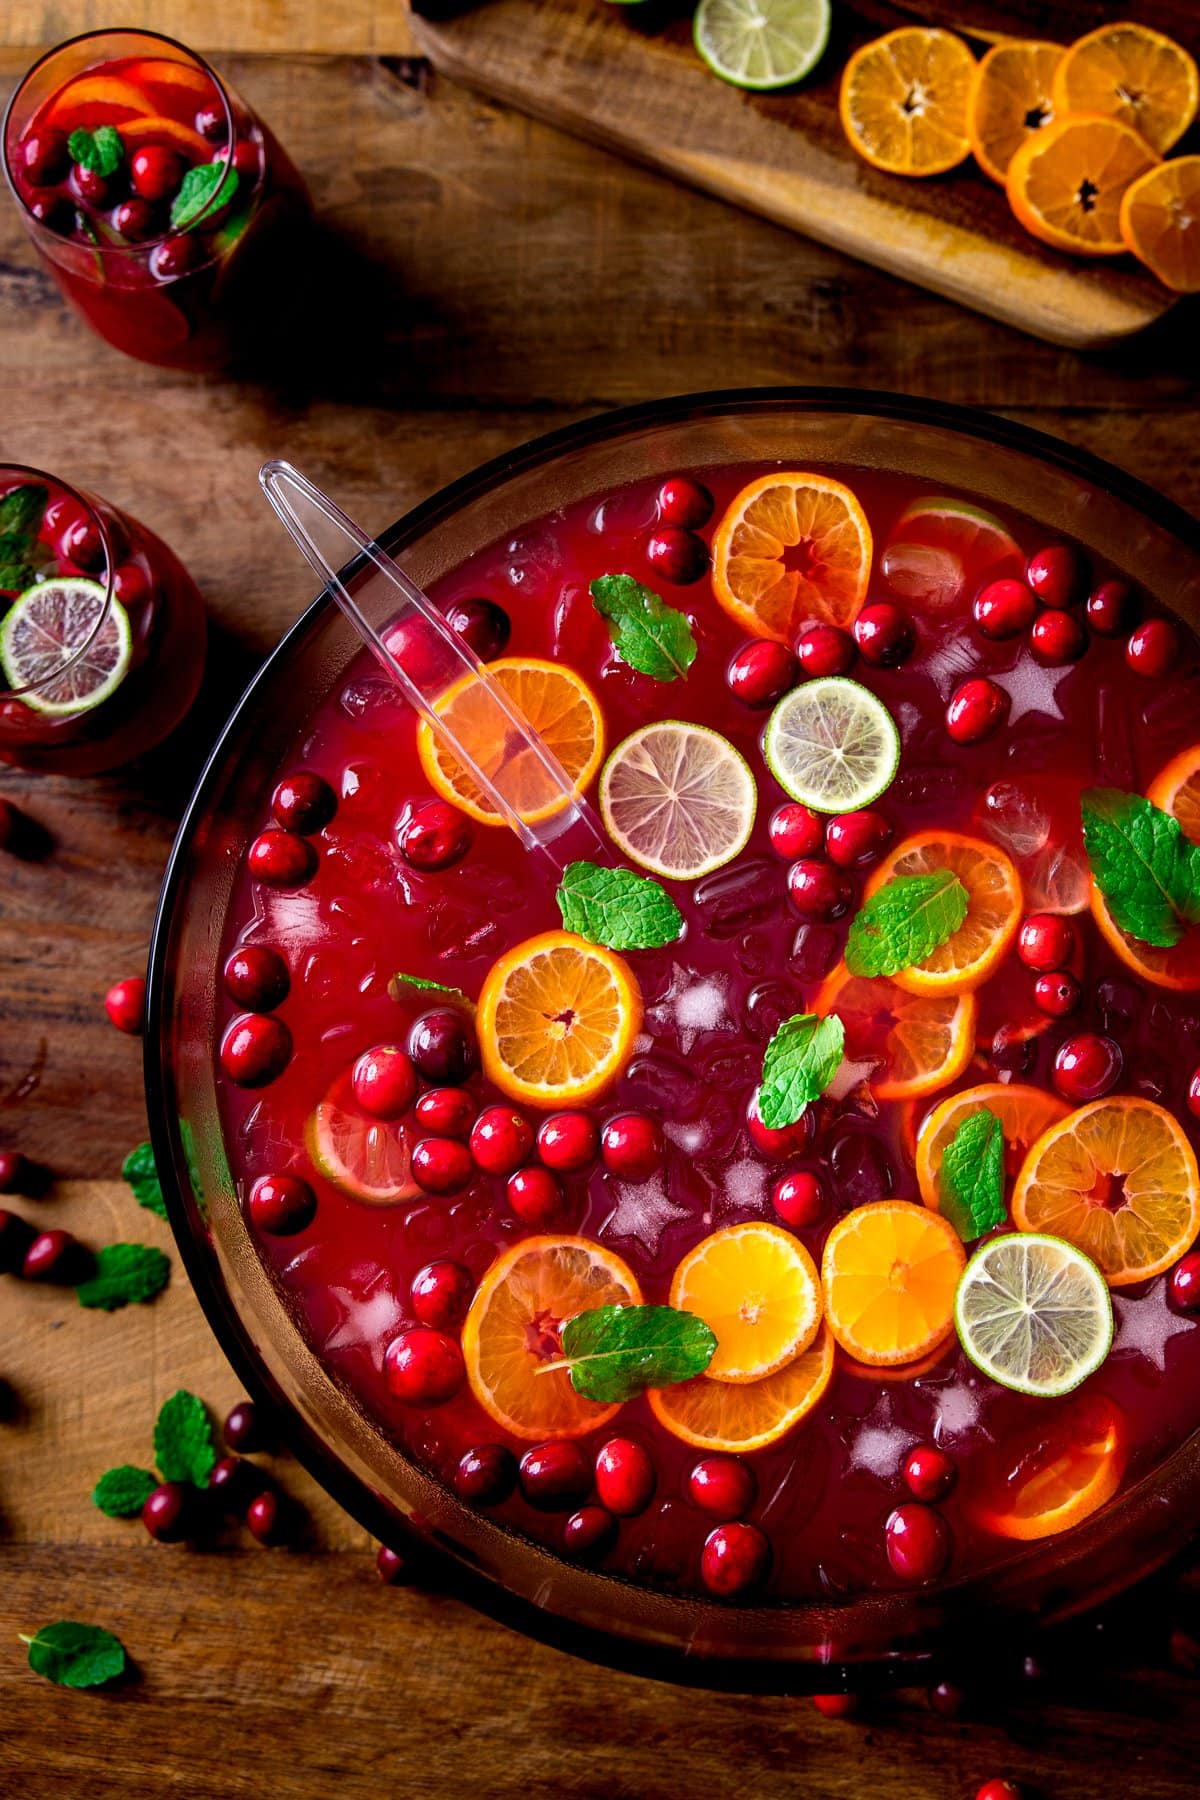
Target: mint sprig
[[800, 1062], [907, 920], [140, 1172], [122, 1492], [617, 908], [74, 1655], [100, 151], [971, 1178], [207, 187], [124, 1275], [21, 512], [399, 982], [616, 1351], [183, 1440], [649, 635], [1148, 872]]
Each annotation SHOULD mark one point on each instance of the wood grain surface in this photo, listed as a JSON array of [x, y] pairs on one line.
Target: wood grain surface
[[485, 279]]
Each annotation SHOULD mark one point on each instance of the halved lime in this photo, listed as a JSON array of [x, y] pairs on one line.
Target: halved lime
[[762, 44], [1034, 1313], [364, 1157], [678, 799], [49, 624], [831, 744]]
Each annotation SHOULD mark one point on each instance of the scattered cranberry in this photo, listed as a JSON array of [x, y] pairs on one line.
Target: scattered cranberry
[[1058, 575], [798, 1199], [817, 891], [852, 840], [390, 1566], [14, 1171], [446, 1112], [256, 1049], [918, 1544], [257, 979], [1057, 637], [837, 1706], [43, 157], [435, 836], [1087, 1066], [631, 1146], [483, 626], [52, 1256], [535, 1196], [281, 1205], [281, 859], [90, 186], [234, 1483], [795, 831], [265, 1518], [303, 803], [423, 1367], [884, 634], [825, 650], [82, 544], [735, 1557], [155, 172], [441, 1294], [1112, 608], [625, 1477], [176, 256], [929, 1473], [568, 1142], [1057, 995], [131, 584], [682, 501], [947, 1700], [1153, 648], [486, 1475], [722, 1486], [589, 1534], [125, 1004], [384, 1081], [1047, 942], [165, 1514], [761, 673], [135, 220], [501, 1140], [443, 1047], [1004, 609], [1185, 1283], [554, 1476], [441, 1165], [779, 1140], [977, 708], [999, 1789], [16, 1235], [676, 554], [242, 1429], [213, 124]]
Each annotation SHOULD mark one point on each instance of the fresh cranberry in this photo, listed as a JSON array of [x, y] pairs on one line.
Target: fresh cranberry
[[14, 1172], [446, 1112], [435, 836], [535, 1196], [483, 626], [852, 840], [837, 1706], [1087, 1066], [1057, 995], [1047, 942], [125, 1004], [631, 1146], [795, 831], [589, 1534], [266, 1518], [176, 256], [281, 859], [256, 978], [554, 1476], [390, 1566], [1058, 575], [817, 891], [682, 501], [90, 186], [735, 1557], [918, 1544], [999, 1789], [779, 1140], [53, 1256], [441, 1165], [1004, 609], [385, 1081], [131, 584], [303, 803], [441, 1293], [420, 651], [1153, 648], [1193, 1094], [722, 1486], [443, 1046], [501, 1140], [242, 1429], [165, 1514], [884, 634], [56, 213], [213, 124], [1185, 1283], [676, 554], [281, 1205], [135, 220], [1057, 637], [948, 1700], [246, 160], [43, 157], [82, 544], [977, 708], [155, 172], [256, 1049], [825, 650], [423, 1367], [798, 1199], [625, 1478], [929, 1473], [486, 1475], [1112, 608], [568, 1142], [761, 673], [234, 1483]]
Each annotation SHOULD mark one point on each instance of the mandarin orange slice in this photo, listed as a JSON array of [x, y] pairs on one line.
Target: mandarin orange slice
[[994, 901], [739, 1417], [1054, 1474], [1177, 968], [904, 100], [1066, 182], [556, 1019], [1024, 1113], [1160, 222], [791, 547], [889, 1273], [756, 1287], [1134, 74], [917, 1043], [1176, 787], [1011, 100]]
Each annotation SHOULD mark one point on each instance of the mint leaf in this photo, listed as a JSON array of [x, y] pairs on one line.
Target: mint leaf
[[800, 1062], [122, 1492], [140, 1172], [1148, 872], [75, 1656], [647, 633], [125, 1274], [907, 920], [206, 188], [21, 511], [616, 1351], [100, 150], [15, 577], [183, 1440], [971, 1178], [617, 908], [399, 982]]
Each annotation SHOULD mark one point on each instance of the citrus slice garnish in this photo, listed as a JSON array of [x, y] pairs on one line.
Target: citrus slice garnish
[[1066, 182], [904, 100], [994, 898], [556, 1019], [1160, 222], [791, 547], [941, 548], [559, 707], [924, 1365], [1117, 1179], [1176, 788], [1034, 1313], [108, 98], [762, 44], [739, 1417], [53, 622], [366, 1158], [1013, 98], [917, 1043], [512, 1342], [1177, 968], [1131, 73], [1055, 1473], [889, 1272], [832, 744], [161, 130], [1024, 1113], [678, 799], [756, 1288]]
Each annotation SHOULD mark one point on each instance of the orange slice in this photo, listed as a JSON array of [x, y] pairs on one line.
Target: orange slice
[[1056, 1473], [159, 130], [1160, 222], [556, 703], [512, 1336], [108, 91], [1024, 1113], [744, 1416], [1176, 788], [1011, 100], [756, 1287], [922, 1041], [1177, 968], [1066, 182], [790, 548], [924, 1365], [1134, 74], [889, 1273], [993, 887], [1117, 1179], [165, 73], [904, 101], [556, 1018]]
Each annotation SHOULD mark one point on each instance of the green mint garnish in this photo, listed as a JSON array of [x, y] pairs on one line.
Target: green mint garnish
[[205, 188], [647, 633], [101, 150], [617, 908], [125, 1274], [140, 1172], [15, 577], [399, 982], [1148, 872], [800, 1062], [183, 1440], [906, 921], [21, 511], [122, 1492], [75, 1656], [616, 1351], [971, 1178]]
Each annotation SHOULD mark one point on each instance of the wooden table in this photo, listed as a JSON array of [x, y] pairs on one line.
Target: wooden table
[[493, 279]]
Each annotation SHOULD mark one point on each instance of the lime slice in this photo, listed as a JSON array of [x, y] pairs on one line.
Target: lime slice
[[364, 1157], [678, 799], [762, 44], [831, 744], [1034, 1313], [48, 624]]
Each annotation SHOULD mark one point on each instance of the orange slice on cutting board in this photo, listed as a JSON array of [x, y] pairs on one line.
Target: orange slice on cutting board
[[1160, 222], [1131, 73], [1066, 182], [1011, 99], [904, 101]]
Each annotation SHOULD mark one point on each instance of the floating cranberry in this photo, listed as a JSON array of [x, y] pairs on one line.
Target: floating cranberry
[[817, 891], [1004, 609], [825, 650], [16, 1235], [1046, 942], [501, 1140], [625, 1478], [442, 1044], [441, 1165], [631, 1146], [1112, 608], [390, 1566], [1058, 575], [779, 1140], [420, 651], [385, 1081], [43, 157], [213, 124], [242, 1429], [884, 634], [1193, 1094], [53, 1256], [125, 1004], [1057, 637], [1087, 1066], [131, 584], [82, 544], [303, 803], [735, 1557], [446, 1112], [256, 978], [554, 1476], [135, 220], [568, 1142], [589, 1534], [56, 214], [246, 159], [176, 256], [1057, 995], [156, 172], [977, 708], [1153, 648], [423, 1367], [929, 1473], [852, 840], [795, 831], [535, 1196], [722, 1487], [682, 501], [90, 186], [1185, 1283], [483, 626], [676, 554], [918, 1543], [14, 1172], [441, 1294], [266, 1519], [761, 673], [281, 1205], [165, 1513], [798, 1199], [999, 1789], [256, 1049], [837, 1706], [281, 859], [486, 1475]]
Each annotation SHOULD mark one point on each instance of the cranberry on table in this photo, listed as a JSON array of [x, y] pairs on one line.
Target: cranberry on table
[[446, 1112], [483, 626], [303, 803], [234, 1483], [266, 1519], [779, 1140], [625, 1478], [486, 1475], [442, 1044], [825, 650], [677, 554], [423, 1367], [242, 1429], [125, 1004], [1057, 637], [948, 1700], [501, 1140], [1153, 649], [1057, 995], [43, 157], [1046, 942], [82, 544], [176, 256], [682, 501], [918, 1543], [929, 1474], [798, 1199], [977, 709], [852, 840], [16, 1235], [256, 1049], [722, 1486], [441, 1165], [390, 1566], [999, 1789], [837, 1706], [1087, 1066], [554, 1476], [14, 1171], [735, 1558], [589, 1534], [1184, 1284], [631, 1146], [435, 836], [795, 831], [884, 634], [135, 220], [1058, 575], [1004, 609], [568, 1142], [282, 1204], [166, 1512], [155, 172], [441, 1293], [1112, 608], [535, 1196], [281, 859], [761, 673], [257, 978], [53, 1256], [818, 891], [384, 1081]]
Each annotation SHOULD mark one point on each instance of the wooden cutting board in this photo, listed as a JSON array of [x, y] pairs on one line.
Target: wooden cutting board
[[629, 78]]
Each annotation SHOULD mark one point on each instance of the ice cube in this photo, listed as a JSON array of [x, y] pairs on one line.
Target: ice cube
[[734, 899], [950, 660], [934, 578], [1059, 882], [1015, 819], [643, 1211], [534, 564], [814, 952], [1145, 1327], [1031, 688], [663, 1085], [851, 1076], [932, 787], [743, 1187], [879, 1444], [691, 1138], [625, 513], [957, 1408], [701, 1007], [370, 1318], [374, 698]]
